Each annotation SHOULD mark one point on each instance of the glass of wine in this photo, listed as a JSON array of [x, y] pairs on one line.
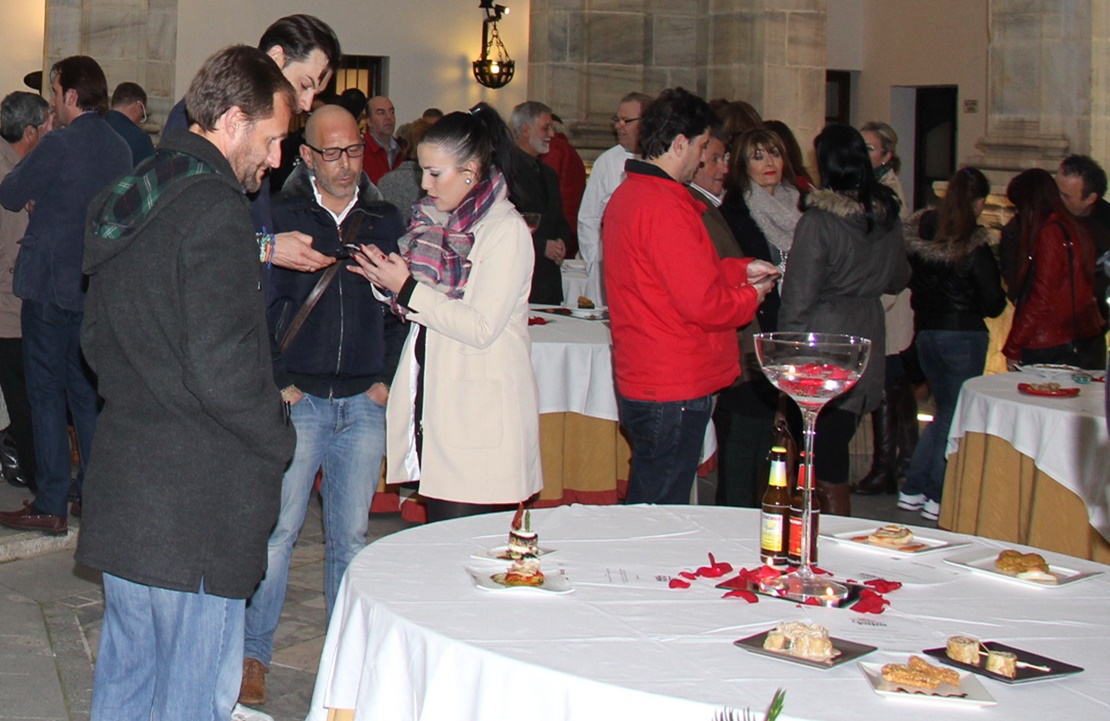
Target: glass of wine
[[811, 368]]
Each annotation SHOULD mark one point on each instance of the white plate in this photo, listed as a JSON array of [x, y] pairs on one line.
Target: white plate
[[982, 561], [970, 692], [553, 582], [1053, 371], [598, 313], [920, 544], [500, 553]]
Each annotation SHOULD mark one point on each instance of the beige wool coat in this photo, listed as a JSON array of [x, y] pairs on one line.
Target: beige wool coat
[[481, 405]]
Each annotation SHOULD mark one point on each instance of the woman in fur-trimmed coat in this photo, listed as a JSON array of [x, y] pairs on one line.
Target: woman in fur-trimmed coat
[[956, 284], [847, 252]]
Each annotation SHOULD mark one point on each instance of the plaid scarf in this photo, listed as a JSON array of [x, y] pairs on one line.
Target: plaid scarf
[[135, 194], [438, 254]]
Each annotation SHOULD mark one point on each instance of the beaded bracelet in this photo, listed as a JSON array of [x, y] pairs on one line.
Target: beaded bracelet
[[265, 247]]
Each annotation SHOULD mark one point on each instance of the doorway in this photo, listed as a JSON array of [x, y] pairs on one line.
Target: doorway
[[934, 141]]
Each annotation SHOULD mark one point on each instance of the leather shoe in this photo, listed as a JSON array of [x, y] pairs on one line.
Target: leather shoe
[[253, 690], [75, 509], [31, 520]]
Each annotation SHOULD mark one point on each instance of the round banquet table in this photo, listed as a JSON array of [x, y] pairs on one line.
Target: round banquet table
[[1030, 469], [412, 637]]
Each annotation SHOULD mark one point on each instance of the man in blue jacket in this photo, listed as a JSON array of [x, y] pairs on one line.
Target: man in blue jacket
[[56, 182], [335, 371]]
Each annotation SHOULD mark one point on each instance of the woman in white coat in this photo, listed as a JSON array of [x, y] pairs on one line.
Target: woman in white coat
[[463, 412]]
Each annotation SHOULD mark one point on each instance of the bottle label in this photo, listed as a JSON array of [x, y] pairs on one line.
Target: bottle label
[[777, 477], [771, 533], [794, 545]]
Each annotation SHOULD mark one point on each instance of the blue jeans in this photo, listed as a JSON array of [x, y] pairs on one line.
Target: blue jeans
[[346, 436], [57, 378], [666, 443], [948, 358], [167, 655]]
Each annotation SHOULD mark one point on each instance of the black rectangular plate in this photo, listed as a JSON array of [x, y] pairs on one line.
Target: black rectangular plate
[[849, 651], [1024, 675]]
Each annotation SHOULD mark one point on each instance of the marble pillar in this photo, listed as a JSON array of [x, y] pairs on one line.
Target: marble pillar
[[133, 40], [586, 54]]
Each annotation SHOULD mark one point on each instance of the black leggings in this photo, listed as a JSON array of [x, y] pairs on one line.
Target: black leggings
[[441, 510]]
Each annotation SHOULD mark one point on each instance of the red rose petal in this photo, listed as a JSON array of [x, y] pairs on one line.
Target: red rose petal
[[746, 595], [678, 583], [688, 574]]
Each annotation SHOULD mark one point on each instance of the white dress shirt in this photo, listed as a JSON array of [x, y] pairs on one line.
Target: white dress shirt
[[607, 174]]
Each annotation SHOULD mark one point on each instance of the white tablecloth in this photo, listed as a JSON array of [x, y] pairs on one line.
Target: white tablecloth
[[412, 638], [573, 360], [1065, 437]]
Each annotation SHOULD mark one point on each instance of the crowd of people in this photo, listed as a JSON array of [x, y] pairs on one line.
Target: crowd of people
[[221, 324]]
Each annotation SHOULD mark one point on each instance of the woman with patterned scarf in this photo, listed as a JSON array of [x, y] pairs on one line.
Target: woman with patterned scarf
[[463, 412]]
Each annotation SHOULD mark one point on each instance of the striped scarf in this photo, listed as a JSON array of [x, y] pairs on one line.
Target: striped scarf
[[438, 254]]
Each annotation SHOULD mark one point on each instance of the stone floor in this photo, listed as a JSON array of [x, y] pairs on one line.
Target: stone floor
[[51, 613]]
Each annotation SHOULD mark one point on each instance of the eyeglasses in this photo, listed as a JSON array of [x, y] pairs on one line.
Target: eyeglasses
[[333, 154], [617, 120]]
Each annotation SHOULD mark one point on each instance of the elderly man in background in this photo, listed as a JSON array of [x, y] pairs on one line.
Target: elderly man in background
[[22, 121], [606, 175], [538, 194], [57, 180], [184, 484], [383, 152]]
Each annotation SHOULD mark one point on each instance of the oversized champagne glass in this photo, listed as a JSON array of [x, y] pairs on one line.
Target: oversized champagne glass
[[811, 368]]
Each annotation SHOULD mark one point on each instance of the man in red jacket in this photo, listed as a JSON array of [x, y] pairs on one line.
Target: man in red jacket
[[674, 306], [383, 152]]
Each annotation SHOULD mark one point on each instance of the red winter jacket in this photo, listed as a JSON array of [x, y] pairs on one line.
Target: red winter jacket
[[674, 307], [1059, 304], [375, 160]]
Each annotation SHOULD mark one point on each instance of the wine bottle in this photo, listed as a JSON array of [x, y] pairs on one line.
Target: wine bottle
[[774, 518]]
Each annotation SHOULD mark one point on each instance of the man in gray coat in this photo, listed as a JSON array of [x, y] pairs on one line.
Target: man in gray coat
[[185, 477]]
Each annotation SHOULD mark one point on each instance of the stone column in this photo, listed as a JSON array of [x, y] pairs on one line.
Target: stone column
[[133, 40], [1039, 105], [586, 54]]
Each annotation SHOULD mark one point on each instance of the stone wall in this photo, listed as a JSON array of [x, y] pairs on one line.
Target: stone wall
[[586, 54], [133, 40]]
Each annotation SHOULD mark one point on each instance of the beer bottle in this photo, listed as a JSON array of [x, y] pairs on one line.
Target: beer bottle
[[794, 545], [774, 516]]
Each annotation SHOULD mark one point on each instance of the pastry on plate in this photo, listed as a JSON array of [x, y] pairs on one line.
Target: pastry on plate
[[892, 536], [1011, 561], [808, 641], [963, 649], [919, 673], [524, 550], [1002, 663]]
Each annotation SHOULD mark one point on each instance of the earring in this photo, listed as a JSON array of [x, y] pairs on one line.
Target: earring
[[468, 181]]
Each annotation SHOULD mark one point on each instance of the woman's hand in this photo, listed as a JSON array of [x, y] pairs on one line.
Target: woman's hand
[[762, 276], [385, 271]]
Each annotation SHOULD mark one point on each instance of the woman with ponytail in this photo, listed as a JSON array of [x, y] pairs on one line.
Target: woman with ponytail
[[463, 412], [847, 252], [956, 284]]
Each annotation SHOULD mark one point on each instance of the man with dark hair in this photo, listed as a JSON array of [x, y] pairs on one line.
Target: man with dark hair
[[185, 478], [606, 175], [56, 181], [22, 118], [307, 51], [1082, 184], [126, 117], [537, 191], [383, 152], [674, 306], [432, 115]]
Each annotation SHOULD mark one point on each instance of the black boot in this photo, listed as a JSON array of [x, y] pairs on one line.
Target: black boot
[[881, 477], [904, 403]]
